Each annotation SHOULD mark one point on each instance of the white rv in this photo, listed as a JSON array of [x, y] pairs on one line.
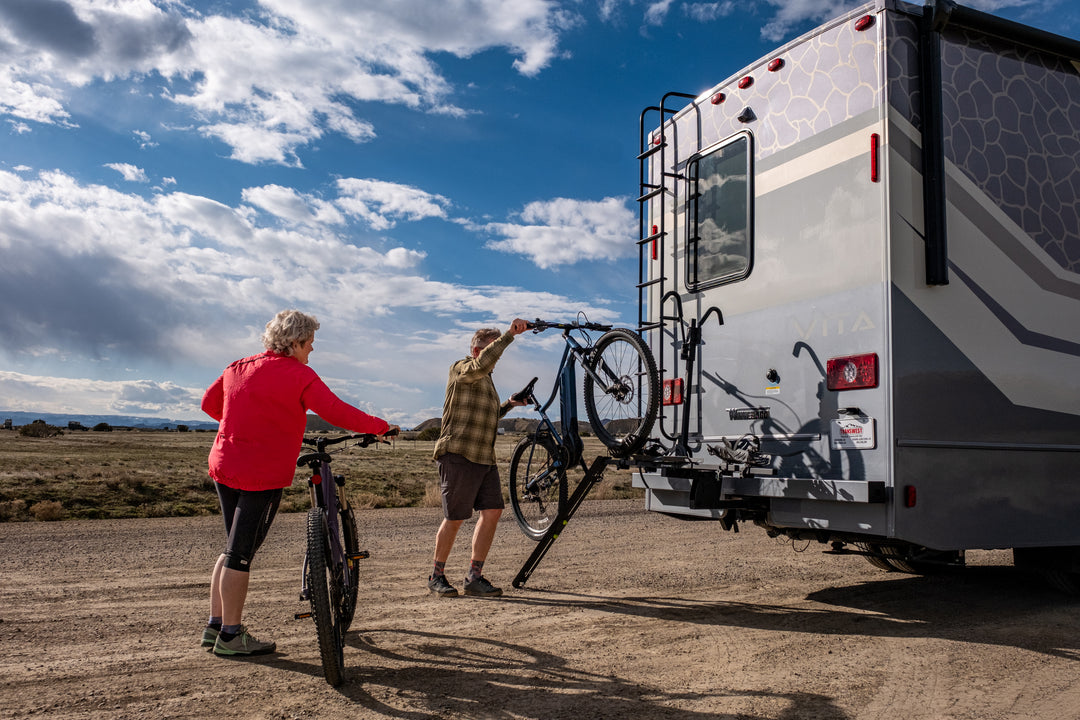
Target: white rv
[[860, 278]]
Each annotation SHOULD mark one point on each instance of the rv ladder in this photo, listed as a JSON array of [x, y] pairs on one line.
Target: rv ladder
[[654, 264]]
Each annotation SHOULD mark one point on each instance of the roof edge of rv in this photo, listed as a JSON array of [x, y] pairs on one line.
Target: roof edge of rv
[[949, 13]]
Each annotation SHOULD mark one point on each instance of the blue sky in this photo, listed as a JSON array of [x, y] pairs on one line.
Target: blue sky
[[174, 172]]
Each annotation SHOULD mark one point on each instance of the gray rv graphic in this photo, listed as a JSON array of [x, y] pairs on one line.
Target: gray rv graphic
[[860, 279]]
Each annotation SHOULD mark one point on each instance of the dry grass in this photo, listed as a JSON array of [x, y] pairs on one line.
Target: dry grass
[[158, 474]]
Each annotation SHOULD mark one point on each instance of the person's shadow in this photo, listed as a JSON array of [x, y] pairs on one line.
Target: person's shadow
[[996, 605], [437, 675]]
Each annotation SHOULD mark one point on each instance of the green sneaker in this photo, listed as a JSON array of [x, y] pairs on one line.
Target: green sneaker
[[209, 637], [242, 644]]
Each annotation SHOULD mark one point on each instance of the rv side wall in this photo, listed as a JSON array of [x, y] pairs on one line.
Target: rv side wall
[[987, 410]]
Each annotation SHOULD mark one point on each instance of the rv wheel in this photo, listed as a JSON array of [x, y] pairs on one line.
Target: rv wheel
[[875, 558], [1052, 565]]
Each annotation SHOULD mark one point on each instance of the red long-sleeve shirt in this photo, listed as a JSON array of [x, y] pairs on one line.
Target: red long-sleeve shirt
[[261, 403]]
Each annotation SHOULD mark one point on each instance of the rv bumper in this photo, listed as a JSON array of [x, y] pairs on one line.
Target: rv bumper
[[704, 483]]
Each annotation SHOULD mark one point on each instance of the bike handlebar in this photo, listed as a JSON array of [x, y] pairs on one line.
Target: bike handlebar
[[364, 439], [539, 325]]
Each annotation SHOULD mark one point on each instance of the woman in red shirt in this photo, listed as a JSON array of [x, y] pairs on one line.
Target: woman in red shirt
[[261, 403]]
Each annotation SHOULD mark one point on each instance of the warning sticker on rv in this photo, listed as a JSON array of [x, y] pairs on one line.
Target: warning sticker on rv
[[853, 433]]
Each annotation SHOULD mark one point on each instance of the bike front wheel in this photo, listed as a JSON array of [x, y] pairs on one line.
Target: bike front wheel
[[537, 484], [351, 543], [324, 592], [622, 393]]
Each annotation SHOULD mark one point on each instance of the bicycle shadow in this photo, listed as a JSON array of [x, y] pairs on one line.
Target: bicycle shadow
[[422, 674], [966, 606]]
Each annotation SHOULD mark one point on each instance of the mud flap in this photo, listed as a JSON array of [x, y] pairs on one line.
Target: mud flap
[[705, 494]]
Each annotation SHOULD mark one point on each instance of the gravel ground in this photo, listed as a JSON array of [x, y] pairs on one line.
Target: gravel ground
[[630, 615]]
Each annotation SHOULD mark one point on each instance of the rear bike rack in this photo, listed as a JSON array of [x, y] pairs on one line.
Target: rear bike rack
[[593, 475]]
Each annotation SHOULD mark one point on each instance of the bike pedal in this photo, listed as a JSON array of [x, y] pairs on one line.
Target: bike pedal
[[362, 555], [301, 616]]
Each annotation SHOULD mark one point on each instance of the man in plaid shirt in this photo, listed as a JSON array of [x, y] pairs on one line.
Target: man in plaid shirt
[[465, 452]]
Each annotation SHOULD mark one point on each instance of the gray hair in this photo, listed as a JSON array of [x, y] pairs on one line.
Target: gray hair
[[483, 337], [288, 327]]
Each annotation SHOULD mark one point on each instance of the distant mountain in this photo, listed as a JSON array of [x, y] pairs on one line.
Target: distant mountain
[[18, 417]]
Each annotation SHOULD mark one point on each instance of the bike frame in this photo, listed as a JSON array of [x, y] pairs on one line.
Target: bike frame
[[326, 495]]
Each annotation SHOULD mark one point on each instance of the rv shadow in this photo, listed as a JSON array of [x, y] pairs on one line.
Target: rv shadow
[[417, 674], [989, 605]]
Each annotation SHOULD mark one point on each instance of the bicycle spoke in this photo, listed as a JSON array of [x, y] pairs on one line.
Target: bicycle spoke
[[537, 485], [621, 391]]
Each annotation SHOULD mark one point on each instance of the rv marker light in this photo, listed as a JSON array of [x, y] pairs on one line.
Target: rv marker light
[[746, 82], [718, 98], [875, 140], [655, 230], [864, 22], [852, 372], [776, 64], [909, 496]]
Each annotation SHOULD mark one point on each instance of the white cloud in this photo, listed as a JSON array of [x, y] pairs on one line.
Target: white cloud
[[291, 206], [657, 11], [144, 139], [85, 396], [131, 173], [381, 204], [184, 284], [709, 11], [270, 82], [562, 231]]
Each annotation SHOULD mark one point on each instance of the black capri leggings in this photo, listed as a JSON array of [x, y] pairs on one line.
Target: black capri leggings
[[248, 515]]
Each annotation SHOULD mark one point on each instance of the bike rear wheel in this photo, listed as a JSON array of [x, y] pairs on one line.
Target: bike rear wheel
[[622, 405], [324, 592], [537, 484]]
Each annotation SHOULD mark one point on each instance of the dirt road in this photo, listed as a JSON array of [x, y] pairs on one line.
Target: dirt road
[[630, 615]]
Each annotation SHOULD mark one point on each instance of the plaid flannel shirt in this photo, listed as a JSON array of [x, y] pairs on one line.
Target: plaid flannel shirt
[[472, 410]]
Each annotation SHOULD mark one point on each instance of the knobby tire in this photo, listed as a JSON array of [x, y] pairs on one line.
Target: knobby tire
[[538, 486], [351, 543], [321, 585], [623, 408]]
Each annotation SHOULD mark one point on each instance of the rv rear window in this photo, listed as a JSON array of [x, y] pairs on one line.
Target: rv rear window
[[718, 243]]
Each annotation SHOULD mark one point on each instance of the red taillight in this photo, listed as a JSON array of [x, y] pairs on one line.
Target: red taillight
[[654, 231], [875, 141], [746, 82], [852, 372], [909, 496], [864, 22], [673, 392], [718, 98], [316, 479], [776, 64]]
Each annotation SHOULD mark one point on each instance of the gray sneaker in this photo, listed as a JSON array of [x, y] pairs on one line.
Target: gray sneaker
[[480, 587], [242, 644], [209, 637], [441, 586]]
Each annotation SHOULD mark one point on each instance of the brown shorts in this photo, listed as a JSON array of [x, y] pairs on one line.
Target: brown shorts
[[468, 486]]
